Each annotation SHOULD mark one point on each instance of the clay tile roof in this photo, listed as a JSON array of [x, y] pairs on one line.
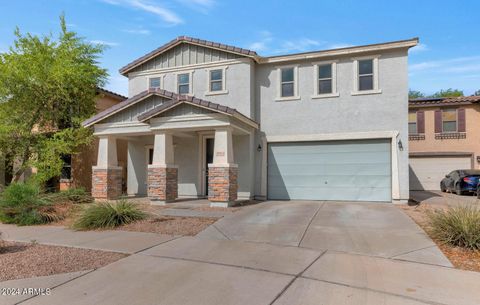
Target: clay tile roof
[[187, 39], [110, 93], [443, 101]]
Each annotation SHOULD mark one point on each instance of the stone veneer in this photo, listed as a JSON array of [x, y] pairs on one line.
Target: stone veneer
[[222, 184], [106, 183], [162, 183]]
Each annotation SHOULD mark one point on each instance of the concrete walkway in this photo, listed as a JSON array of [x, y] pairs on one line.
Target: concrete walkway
[[282, 253], [113, 241]]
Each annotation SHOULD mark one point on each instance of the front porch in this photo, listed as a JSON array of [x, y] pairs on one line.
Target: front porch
[[181, 150]]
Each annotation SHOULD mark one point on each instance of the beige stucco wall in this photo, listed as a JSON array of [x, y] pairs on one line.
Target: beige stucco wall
[[469, 145]]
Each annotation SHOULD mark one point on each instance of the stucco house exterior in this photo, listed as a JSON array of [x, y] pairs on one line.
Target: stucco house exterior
[[444, 136], [205, 119]]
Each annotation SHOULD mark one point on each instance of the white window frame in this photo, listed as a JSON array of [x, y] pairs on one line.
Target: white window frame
[[190, 78], [224, 81], [356, 76], [161, 77], [295, 96], [334, 92]]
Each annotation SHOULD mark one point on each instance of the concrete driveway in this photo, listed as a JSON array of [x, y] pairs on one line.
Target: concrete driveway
[[437, 198], [284, 253]]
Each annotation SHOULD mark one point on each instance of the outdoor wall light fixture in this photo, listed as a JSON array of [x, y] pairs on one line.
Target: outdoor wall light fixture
[[478, 159], [259, 148], [400, 145]]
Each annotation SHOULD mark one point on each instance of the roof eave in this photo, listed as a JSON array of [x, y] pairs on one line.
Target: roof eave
[[350, 51]]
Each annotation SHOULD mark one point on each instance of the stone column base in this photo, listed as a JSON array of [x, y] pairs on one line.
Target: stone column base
[[106, 182], [222, 185], [162, 184]]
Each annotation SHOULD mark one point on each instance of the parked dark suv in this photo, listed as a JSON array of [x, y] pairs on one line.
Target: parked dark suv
[[461, 181]]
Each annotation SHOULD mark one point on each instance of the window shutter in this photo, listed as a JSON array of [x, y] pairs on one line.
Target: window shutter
[[420, 122], [461, 120], [438, 121]]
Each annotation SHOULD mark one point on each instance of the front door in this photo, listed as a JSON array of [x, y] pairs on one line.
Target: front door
[[209, 145]]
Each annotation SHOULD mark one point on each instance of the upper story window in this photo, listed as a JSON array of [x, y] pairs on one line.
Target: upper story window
[[449, 120], [183, 83], [154, 82], [216, 81], [325, 80], [288, 87], [412, 123], [365, 76]]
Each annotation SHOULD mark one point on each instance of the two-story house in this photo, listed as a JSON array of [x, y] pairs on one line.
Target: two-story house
[[205, 119], [444, 136]]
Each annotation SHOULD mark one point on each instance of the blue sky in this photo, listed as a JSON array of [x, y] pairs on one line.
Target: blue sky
[[448, 55]]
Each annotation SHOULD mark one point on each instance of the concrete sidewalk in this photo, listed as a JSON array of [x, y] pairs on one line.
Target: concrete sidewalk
[[108, 240]]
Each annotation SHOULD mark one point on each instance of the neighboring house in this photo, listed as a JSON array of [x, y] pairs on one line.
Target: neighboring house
[[77, 171], [444, 135], [205, 119]]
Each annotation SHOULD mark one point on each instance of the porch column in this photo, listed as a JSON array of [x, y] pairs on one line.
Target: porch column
[[107, 175], [162, 173], [223, 172]]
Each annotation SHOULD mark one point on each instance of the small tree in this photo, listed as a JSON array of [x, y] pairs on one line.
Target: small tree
[[448, 93], [413, 94], [477, 92], [47, 87]]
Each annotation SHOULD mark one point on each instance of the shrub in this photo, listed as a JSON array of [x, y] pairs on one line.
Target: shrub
[[457, 226], [22, 204], [73, 195], [109, 215]]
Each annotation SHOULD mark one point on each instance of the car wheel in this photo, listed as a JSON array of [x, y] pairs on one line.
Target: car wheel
[[442, 188], [478, 193], [458, 190]]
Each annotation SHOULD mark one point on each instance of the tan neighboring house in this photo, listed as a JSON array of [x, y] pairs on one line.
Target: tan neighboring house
[[444, 135], [77, 171]]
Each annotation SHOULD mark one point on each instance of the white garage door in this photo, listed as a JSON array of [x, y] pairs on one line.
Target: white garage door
[[427, 172], [358, 170]]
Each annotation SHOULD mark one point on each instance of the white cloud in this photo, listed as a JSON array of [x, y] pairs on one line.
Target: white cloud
[[458, 64], [263, 42], [203, 6], [419, 48], [339, 45], [103, 42], [137, 31], [299, 45], [167, 15]]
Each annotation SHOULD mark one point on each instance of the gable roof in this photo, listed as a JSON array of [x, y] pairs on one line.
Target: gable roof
[[185, 39], [174, 100], [110, 94], [443, 101]]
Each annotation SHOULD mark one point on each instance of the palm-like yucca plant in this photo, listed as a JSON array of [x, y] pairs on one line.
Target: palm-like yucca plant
[[457, 226], [109, 215]]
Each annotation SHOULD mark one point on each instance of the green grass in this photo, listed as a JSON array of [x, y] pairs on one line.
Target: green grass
[[457, 226], [108, 215]]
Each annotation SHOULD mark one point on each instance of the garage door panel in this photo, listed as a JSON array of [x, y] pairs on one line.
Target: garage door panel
[[335, 170], [349, 158], [426, 173], [331, 181], [300, 193]]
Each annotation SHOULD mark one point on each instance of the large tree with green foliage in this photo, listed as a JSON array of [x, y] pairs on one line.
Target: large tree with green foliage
[[413, 94], [448, 93], [47, 87]]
